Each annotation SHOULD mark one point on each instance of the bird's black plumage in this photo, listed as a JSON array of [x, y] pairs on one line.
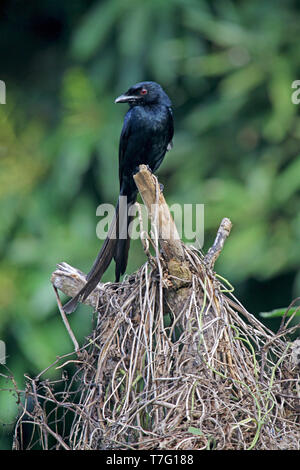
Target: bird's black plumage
[[146, 136]]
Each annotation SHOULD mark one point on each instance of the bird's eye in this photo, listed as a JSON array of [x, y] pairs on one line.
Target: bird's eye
[[143, 91]]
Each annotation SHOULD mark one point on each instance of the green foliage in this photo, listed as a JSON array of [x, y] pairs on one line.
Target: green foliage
[[279, 312], [195, 431], [228, 67]]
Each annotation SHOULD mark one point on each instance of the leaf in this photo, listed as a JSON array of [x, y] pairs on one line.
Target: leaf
[[279, 312], [95, 28], [242, 81], [195, 431], [283, 110], [288, 181]]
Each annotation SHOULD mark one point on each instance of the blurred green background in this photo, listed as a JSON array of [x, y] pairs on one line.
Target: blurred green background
[[228, 67]]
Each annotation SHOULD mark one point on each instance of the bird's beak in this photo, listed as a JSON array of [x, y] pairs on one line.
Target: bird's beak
[[125, 99]]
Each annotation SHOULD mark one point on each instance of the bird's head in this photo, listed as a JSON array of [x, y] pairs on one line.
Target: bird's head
[[144, 93]]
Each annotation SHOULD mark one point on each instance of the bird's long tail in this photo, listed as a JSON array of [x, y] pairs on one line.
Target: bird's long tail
[[116, 245]]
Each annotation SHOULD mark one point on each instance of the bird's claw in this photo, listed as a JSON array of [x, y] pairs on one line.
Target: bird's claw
[[137, 169]]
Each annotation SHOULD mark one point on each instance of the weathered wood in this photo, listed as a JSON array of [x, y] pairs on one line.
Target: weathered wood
[[214, 252], [70, 280], [159, 214]]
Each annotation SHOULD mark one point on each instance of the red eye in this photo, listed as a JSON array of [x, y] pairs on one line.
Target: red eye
[[143, 91]]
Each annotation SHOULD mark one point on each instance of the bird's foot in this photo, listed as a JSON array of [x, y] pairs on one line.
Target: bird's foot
[[137, 169]]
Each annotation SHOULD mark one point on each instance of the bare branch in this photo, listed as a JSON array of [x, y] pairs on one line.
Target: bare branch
[[159, 214], [222, 234], [70, 280]]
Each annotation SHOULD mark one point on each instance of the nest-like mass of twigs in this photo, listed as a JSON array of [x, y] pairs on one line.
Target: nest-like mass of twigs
[[171, 364]]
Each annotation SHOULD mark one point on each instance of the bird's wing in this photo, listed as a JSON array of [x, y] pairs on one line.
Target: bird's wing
[[124, 138]]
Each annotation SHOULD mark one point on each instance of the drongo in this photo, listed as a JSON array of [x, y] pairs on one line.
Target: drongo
[[145, 138]]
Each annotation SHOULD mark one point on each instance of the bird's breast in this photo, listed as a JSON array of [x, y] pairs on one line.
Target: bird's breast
[[147, 140], [152, 118]]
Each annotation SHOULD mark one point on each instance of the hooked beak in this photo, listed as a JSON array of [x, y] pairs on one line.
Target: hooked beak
[[125, 99]]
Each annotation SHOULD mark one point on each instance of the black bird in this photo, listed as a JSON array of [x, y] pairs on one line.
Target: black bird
[[146, 136]]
